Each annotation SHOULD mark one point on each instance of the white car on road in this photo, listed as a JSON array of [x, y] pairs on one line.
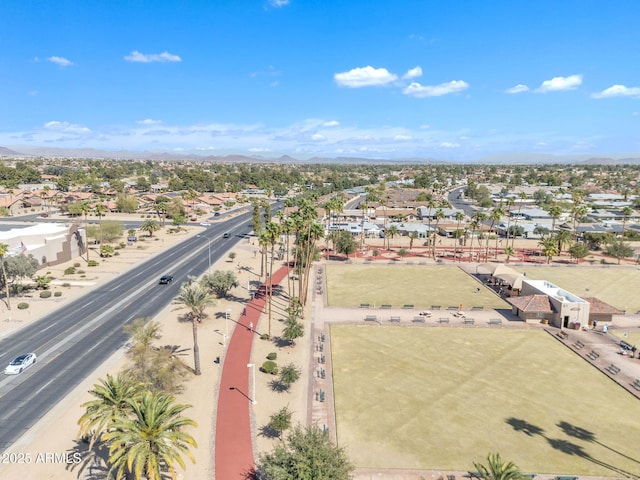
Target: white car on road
[[20, 363]]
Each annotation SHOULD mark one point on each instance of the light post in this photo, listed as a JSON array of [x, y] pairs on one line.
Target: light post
[[226, 324], [208, 248], [253, 383]]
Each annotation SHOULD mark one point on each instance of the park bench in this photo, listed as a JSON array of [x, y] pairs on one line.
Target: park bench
[[495, 321], [407, 305], [578, 345], [443, 320], [469, 321], [636, 384], [563, 335], [477, 309], [612, 369], [418, 319], [565, 477], [370, 318], [452, 307], [475, 475], [435, 307], [364, 305], [394, 319], [385, 306], [593, 355]]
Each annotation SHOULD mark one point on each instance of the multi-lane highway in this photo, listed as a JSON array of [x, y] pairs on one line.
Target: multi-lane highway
[[72, 341]]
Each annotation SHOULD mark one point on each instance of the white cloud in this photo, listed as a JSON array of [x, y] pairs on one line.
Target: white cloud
[[421, 91], [66, 127], [413, 73], [278, 3], [331, 123], [365, 77], [402, 138], [558, 84], [449, 145], [149, 121], [61, 61], [163, 57], [617, 91], [517, 89]]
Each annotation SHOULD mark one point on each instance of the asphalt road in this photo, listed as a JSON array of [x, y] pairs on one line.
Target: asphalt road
[[74, 340]]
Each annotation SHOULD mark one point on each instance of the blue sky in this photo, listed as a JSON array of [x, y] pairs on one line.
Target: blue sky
[[453, 80]]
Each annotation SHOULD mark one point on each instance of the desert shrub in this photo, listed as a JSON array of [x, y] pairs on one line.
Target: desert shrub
[[269, 367], [91, 263], [272, 356], [66, 284], [45, 294], [57, 294], [23, 306], [70, 270], [264, 336]]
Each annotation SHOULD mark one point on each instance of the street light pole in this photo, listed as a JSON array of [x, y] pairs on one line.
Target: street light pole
[[208, 249], [226, 323], [253, 383]]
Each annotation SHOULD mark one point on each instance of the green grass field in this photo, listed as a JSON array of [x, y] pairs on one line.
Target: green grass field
[[615, 286], [397, 285], [441, 398]]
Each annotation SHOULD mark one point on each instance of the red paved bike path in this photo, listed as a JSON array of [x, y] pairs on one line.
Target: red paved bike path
[[233, 446]]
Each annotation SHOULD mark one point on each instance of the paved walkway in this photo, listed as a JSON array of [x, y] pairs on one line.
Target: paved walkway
[[233, 444]]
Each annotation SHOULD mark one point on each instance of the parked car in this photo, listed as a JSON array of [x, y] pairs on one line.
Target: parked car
[[205, 224], [165, 279], [226, 235], [20, 363]]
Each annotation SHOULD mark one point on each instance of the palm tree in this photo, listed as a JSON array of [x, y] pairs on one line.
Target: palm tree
[[439, 216], [522, 196], [391, 232], [476, 222], [85, 208], [626, 213], [412, 237], [498, 469], [152, 440], [100, 210], [509, 252], [272, 234], [563, 237], [555, 211], [578, 211], [4, 249], [496, 215], [549, 247], [112, 397], [196, 298], [150, 226]]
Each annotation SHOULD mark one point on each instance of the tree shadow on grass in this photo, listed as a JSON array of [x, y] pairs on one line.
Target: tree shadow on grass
[[567, 447], [588, 436], [520, 425]]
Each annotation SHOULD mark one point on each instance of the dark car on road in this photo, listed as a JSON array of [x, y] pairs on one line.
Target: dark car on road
[[165, 279]]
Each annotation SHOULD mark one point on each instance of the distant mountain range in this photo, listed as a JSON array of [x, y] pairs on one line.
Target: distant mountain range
[[499, 159]]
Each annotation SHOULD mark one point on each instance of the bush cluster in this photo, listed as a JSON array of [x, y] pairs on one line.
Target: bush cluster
[[70, 271], [269, 367], [45, 294], [272, 356], [23, 306]]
